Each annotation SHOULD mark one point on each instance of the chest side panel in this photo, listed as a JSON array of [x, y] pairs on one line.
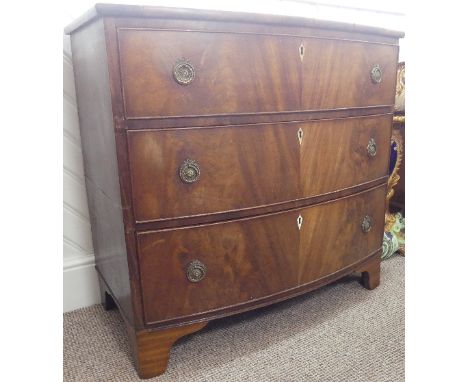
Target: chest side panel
[[90, 62]]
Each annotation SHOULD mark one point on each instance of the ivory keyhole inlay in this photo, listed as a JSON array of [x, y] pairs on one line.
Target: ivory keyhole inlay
[[300, 135], [301, 52], [299, 222]]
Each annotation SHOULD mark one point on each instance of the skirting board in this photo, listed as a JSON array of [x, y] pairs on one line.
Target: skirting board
[[80, 284]]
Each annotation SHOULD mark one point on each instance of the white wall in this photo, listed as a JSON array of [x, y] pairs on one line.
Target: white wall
[[80, 286], [79, 277]]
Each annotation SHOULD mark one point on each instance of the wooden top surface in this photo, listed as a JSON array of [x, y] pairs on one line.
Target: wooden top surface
[[114, 10]]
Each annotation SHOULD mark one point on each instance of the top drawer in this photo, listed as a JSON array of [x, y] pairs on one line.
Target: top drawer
[[232, 73], [342, 74], [180, 73]]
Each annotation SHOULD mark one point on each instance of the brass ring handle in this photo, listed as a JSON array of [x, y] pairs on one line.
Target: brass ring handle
[[376, 74], [366, 224], [196, 271], [189, 171], [372, 148], [184, 72]]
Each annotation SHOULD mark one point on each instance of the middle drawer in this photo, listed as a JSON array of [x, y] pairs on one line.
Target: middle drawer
[[205, 170]]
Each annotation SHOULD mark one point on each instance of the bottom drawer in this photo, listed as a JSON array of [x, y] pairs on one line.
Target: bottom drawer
[[192, 270]]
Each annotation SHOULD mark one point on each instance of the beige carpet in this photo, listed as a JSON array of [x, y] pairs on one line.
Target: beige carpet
[[339, 333]]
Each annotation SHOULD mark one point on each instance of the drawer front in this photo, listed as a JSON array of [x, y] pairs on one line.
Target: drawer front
[[242, 167], [342, 153], [337, 234], [232, 73], [189, 271], [338, 74], [239, 167], [177, 73]]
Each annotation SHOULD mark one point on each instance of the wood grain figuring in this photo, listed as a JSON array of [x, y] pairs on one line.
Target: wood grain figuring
[[234, 274], [246, 166], [257, 210], [250, 72], [252, 165], [253, 258], [239, 120], [337, 74], [332, 236], [334, 153], [246, 71]]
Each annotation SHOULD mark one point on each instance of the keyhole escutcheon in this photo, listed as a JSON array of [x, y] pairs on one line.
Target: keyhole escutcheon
[[299, 222], [300, 135]]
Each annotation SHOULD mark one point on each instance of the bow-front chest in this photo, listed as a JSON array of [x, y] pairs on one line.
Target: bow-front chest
[[232, 160]]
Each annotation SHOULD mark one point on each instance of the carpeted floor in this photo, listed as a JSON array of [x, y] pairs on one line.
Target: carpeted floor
[[339, 333]]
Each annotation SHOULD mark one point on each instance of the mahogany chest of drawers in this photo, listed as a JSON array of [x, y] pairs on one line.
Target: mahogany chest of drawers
[[232, 160]]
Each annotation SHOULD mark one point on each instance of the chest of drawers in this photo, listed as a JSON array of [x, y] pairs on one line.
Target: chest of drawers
[[231, 160]]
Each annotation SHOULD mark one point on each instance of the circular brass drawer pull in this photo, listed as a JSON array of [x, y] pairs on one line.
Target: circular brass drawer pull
[[189, 171], [196, 271], [372, 148], [376, 74], [184, 72], [366, 224]]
